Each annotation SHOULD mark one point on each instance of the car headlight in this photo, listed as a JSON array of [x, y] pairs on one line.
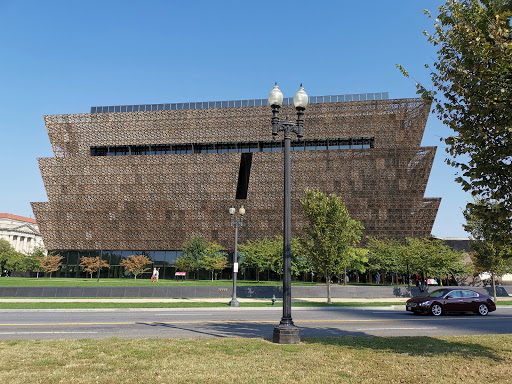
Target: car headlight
[[492, 299], [424, 304]]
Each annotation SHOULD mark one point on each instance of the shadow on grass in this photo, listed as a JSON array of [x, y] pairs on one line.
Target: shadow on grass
[[330, 336], [414, 346]]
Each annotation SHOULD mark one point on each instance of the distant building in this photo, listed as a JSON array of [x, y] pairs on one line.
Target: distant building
[[21, 232], [464, 244], [144, 178], [457, 243]]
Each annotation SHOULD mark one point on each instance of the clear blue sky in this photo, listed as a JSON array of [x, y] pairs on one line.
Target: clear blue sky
[[64, 56]]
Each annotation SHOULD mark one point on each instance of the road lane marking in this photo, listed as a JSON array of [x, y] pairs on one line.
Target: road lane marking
[[395, 329], [258, 321], [183, 314], [38, 333]]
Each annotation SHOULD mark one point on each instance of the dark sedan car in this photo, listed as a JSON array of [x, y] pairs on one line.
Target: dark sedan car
[[451, 300]]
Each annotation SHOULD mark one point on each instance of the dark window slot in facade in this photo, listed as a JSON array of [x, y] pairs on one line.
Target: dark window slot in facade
[[99, 151], [297, 145], [243, 176], [272, 146], [249, 147], [182, 149], [234, 147]]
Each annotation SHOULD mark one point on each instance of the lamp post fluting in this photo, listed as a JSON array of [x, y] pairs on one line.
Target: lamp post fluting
[[286, 332], [236, 223]]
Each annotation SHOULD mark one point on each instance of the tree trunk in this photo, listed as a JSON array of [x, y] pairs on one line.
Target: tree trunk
[[345, 277], [328, 278], [493, 281]]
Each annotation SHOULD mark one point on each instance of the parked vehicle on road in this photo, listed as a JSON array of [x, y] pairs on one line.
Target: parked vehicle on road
[[451, 300]]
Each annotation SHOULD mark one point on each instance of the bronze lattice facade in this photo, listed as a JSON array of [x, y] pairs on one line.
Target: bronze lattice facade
[[147, 180]]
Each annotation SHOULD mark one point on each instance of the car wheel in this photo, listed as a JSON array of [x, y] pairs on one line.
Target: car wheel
[[436, 310], [483, 310]]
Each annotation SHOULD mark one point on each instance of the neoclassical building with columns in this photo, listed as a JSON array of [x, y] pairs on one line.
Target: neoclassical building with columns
[[21, 232]]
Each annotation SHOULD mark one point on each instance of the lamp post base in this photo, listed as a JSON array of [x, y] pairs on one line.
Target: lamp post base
[[234, 303], [286, 334]]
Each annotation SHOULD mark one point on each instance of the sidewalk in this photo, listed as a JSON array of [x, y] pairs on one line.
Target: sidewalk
[[398, 300]]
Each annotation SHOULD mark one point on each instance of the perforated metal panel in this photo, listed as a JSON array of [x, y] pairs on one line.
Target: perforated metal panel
[[155, 202]]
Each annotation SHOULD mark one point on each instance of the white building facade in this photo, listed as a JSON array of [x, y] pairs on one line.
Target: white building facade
[[21, 232]]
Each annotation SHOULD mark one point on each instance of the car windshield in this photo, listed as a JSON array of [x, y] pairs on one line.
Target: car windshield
[[437, 293]]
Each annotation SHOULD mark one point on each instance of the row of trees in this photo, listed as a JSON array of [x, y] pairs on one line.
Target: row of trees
[[329, 247], [201, 254], [10, 260], [136, 264], [38, 262]]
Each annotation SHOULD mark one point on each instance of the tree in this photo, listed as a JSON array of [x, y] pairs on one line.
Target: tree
[[185, 264], [472, 78], [213, 258], [11, 260], [252, 255], [427, 257], [50, 263], [90, 264], [256, 254], [329, 234], [358, 261], [32, 262], [489, 256], [136, 264], [193, 249], [6, 252], [434, 258], [267, 254], [385, 255], [16, 262]]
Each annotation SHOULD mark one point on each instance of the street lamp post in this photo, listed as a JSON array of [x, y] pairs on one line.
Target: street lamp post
[[236, 223], [99, 259], [286, 332]]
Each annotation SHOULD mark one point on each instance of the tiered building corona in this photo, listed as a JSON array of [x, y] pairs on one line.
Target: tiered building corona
[[144, 178]]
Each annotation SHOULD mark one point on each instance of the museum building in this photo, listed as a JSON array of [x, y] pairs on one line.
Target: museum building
[[21, 232], [143, 178]]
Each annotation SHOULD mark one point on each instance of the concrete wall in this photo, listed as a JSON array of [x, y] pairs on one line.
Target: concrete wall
[[242, 292]]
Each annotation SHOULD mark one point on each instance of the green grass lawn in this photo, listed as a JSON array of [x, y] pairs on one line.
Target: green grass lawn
[[111, 282], [80, 282], [457, 359]]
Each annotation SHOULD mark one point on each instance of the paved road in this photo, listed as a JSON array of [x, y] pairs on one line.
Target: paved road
[[241, 322]]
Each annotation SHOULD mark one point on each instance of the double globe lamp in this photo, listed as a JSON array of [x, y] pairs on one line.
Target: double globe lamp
[[236, 223], [286, 332]]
